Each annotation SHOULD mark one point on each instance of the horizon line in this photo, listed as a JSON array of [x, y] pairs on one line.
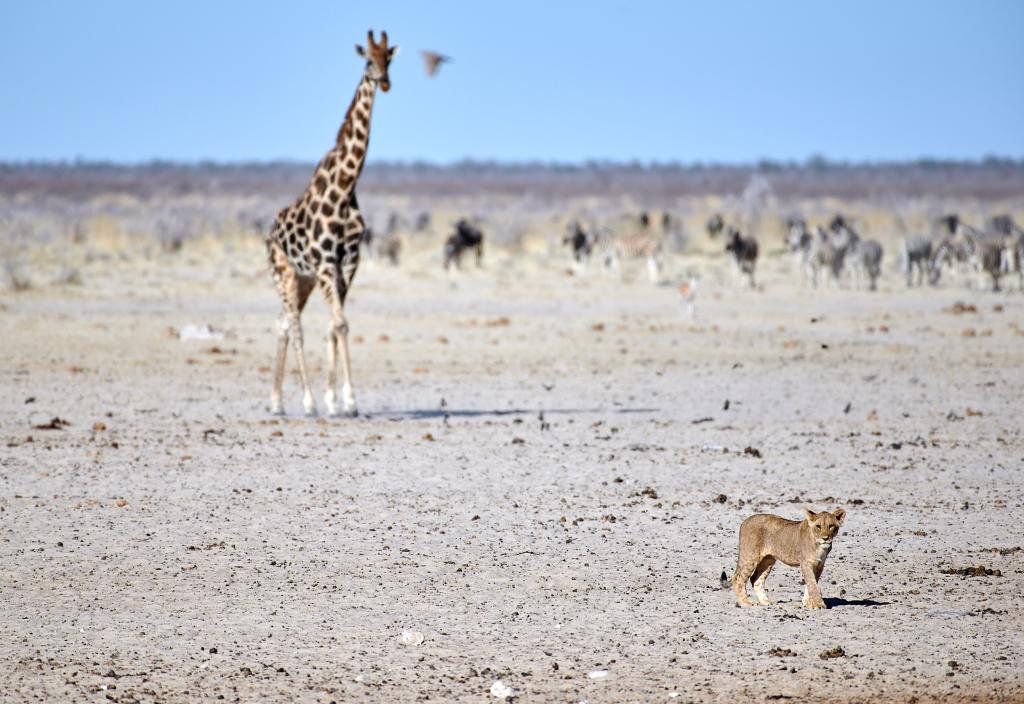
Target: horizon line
[[815, 162]]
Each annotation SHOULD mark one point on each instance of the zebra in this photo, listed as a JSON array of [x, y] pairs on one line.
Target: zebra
[[863, 256], [987, 257], [634, 245], [824, 256], [800, 241], [744, 252], [388, 245], [466, 236], [1012, 259], [983, 250], [917, 254]]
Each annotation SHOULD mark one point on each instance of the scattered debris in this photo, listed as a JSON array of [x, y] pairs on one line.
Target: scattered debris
[[977, 571], [55, 423], [647, 492], [752, 451], [597, 674], [836, 652], [971, 412], [959, 308], [848, 407], [702, 420], [721, 499], [952, 416], [785, 652], [199, 332]]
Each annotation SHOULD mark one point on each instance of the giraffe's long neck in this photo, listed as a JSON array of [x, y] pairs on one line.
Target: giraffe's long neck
[[354, 135]]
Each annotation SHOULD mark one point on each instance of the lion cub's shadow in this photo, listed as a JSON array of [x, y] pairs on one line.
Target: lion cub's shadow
[[834, 601]]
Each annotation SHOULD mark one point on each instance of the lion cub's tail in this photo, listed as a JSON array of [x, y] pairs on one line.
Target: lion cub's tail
[[725, 581]]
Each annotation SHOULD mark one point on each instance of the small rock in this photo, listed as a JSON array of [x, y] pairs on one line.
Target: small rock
[[410, 638], [501, 690]]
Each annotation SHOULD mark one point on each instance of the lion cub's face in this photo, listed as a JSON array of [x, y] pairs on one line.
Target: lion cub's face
[[825, 525]]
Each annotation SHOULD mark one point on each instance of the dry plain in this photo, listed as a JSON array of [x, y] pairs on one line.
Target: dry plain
[[545, 482]]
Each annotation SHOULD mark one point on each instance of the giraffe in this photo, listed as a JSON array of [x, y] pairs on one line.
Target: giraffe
[[315, 240]]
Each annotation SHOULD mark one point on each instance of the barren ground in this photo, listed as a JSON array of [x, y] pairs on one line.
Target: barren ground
[[175, 543]]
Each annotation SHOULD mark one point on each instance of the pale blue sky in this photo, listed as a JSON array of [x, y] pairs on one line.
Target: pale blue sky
[[549, 80]]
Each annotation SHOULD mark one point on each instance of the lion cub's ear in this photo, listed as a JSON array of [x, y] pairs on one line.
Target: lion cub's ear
[[840, 515], [811, 515]]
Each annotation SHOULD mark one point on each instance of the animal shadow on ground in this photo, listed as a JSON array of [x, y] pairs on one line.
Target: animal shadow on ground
[[833, 602], [425, 414]]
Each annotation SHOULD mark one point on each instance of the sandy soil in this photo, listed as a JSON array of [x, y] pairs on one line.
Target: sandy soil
[[173, 542]]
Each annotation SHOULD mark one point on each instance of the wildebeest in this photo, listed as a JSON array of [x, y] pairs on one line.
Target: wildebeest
[[715, 225], [744, 252], [466, 236], [580, 243]]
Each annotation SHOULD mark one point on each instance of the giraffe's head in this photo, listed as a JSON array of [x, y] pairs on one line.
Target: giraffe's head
[[378, 58]]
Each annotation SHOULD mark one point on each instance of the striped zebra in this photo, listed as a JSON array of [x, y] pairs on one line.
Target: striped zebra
[[917, 256], [824, 257], [1012, 258], [983, 250], [862, 256], [800, 240], [635, 245]]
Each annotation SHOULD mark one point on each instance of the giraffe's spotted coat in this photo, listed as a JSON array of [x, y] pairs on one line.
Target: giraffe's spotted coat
[[315, 240]]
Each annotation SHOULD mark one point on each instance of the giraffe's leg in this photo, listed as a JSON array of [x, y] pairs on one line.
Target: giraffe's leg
[[334, 290], [303, 288], [282, 351], [294, 291], [335, 281]]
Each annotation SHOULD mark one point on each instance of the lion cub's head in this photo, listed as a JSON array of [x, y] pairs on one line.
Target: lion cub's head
[[825, 525]]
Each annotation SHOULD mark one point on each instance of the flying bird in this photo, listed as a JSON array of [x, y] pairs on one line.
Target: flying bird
[[432, 61]]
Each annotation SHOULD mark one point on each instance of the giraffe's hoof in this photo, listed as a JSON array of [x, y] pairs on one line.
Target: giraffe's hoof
[[309, 405], [349, 399], [332, 404], [276, 408]]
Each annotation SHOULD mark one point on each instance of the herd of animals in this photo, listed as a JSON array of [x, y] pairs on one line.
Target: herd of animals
[[826, 253]]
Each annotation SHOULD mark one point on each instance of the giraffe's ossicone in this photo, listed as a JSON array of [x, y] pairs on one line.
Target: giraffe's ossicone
[[315, 241]]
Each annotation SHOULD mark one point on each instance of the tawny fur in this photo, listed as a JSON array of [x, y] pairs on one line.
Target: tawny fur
[[765, 539]]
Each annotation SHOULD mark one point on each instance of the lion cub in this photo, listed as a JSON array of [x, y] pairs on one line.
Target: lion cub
[[805, 544]]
